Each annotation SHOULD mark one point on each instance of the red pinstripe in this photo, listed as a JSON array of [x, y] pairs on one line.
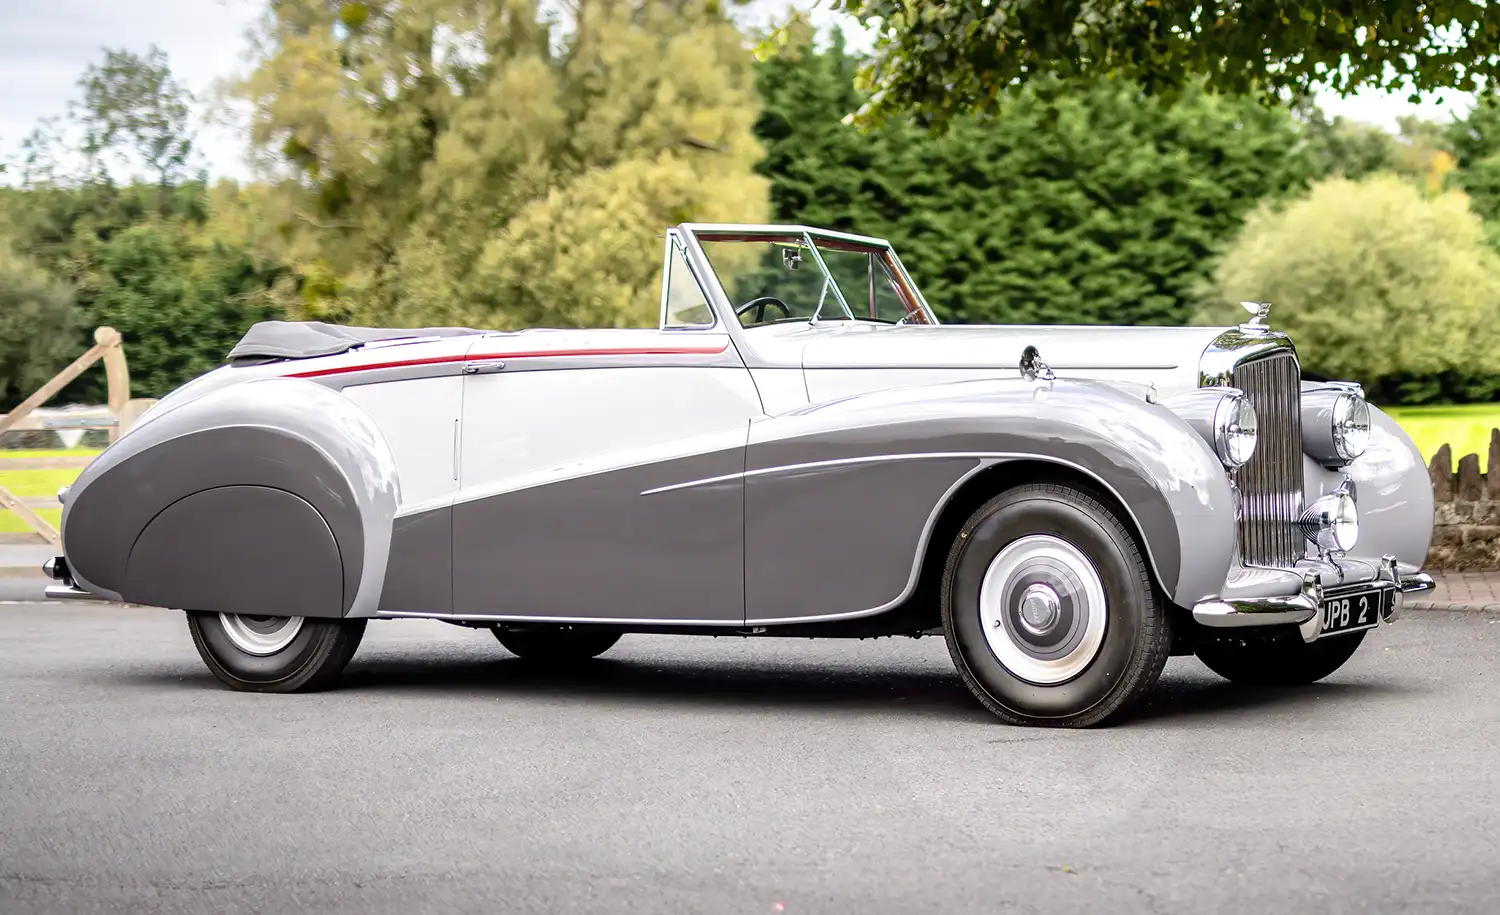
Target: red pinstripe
[[522, 354]]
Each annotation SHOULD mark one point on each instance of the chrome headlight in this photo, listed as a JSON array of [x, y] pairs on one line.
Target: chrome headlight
[[1235, 430], [1332, 521], [1335, 424]]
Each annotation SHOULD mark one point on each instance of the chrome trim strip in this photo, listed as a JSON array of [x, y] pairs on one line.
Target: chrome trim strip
[[867, 459], [64, 592], [1000, 370], [582, 620]]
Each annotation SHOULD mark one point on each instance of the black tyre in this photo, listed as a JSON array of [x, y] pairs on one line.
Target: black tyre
[[1282, 659], [556, 645], [1049, 609], [274, 654]]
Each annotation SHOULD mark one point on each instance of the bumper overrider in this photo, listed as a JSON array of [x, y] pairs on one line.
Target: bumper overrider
[[1306, 609], [56, 569]]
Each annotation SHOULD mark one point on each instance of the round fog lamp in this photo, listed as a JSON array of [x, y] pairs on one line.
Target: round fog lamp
[[1332, 522]]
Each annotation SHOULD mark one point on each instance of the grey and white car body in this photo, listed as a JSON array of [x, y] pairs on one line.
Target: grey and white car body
[[799, 448]]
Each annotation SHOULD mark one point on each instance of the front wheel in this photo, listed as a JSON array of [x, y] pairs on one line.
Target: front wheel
[[274, 654], [556, 645], [1280, 660], [1049, 610]]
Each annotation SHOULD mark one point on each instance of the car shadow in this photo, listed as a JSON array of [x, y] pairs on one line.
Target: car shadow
[[687, 683], [1178, 696]]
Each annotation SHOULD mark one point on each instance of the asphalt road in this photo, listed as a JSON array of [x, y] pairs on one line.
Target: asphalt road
[[700, 775]]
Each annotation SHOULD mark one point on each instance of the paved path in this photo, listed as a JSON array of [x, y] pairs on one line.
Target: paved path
[[1464, 590], [694, 775]]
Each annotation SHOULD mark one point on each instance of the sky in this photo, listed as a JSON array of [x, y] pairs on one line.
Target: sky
[[46, 44]]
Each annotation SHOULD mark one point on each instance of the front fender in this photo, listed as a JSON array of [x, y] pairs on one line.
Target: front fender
[[848, 490], [1392, 491], [239, 500]]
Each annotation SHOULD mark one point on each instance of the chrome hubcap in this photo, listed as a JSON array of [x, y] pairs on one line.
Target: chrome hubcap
[[260, 635], [1042, 607]]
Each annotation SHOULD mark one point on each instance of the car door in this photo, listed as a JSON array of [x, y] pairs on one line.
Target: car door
[[600, 477]]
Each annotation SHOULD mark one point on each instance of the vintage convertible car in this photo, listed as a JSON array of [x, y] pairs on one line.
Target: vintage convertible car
[[799, 449]]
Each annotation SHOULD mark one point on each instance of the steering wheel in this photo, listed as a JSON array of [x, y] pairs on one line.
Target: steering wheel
[[762, 302]]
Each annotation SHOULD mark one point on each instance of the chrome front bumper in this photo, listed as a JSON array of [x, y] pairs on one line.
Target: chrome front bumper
[[1304, 609]]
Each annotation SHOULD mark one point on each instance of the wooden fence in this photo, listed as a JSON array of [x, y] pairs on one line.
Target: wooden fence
[[122, 412]]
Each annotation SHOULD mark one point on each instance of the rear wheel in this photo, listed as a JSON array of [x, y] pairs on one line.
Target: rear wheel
[[556, 645], [1049, 610], [1283, 659], [274, 654]]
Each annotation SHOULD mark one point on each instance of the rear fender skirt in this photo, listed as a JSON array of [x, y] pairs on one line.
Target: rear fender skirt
[[285, 435]]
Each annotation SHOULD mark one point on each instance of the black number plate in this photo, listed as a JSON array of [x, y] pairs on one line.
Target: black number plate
[[1354, 610]]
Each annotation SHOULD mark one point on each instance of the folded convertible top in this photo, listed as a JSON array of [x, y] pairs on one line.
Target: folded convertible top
[[269, 341]]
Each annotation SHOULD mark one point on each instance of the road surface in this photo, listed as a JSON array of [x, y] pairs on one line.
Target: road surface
[[696, 775]]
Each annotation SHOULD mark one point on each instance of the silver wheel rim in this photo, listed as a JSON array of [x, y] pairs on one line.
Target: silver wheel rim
[[260, 635], [1042, 608]]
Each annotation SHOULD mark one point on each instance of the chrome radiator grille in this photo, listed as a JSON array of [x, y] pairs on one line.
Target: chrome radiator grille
[[1271, 483]]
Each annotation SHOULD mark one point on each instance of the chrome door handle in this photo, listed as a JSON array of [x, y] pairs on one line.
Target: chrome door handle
[[483, 367]]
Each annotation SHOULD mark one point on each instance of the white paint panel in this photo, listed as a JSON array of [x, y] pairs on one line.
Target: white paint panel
[[418, 419], [831, 384], [780, 389], [531, 428]]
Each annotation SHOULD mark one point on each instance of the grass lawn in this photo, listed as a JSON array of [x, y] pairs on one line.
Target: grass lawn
[[36, 484], [1466, 428], [47, 453], [10, 524]]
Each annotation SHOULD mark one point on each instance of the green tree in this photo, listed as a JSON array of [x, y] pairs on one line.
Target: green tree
[[1475, 141], [37, 326], [134, 106], [937, 60], [1339, 146], [179, 302], [1376, 281], [469, 161], [1095, 206]]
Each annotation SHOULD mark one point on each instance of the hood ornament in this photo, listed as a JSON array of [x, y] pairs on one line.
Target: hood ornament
[[1032, 366], [1259, 311]]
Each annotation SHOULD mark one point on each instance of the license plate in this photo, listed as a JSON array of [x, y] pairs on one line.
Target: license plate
[[1354, 611]]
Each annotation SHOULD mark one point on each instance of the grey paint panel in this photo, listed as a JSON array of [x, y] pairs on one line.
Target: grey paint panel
[[238, 549], [278, 433], [106, 516], [419, 575], [839, 539], [1167, 477], [595, 547]]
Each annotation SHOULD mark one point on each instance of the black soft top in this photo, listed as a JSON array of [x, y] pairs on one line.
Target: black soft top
[[270, 341]]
